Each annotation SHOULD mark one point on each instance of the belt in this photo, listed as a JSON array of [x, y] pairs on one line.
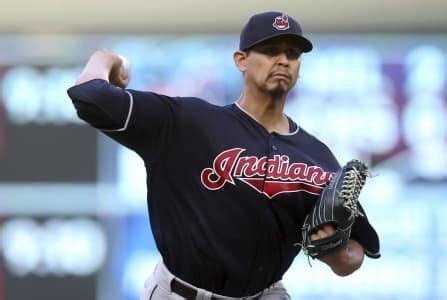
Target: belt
[[185, 291]]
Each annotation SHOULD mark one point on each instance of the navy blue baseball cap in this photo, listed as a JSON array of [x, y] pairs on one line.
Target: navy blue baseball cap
[[267, 25]]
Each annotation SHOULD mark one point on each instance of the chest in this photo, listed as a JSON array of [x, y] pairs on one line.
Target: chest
[[270, 164]]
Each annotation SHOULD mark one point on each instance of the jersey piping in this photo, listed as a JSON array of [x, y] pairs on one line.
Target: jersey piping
[[252, 117], [126, 123]]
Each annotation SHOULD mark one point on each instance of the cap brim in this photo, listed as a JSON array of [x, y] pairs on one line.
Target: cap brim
[[304, 44]]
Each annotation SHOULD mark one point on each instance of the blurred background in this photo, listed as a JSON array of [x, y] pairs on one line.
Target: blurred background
[[73, 213]]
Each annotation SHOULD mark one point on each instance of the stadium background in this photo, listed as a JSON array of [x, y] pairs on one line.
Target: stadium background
[[73, 220]]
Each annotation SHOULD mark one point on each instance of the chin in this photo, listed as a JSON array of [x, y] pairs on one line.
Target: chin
[[279, 89]]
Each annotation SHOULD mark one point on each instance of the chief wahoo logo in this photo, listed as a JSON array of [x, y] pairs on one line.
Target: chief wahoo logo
[[281, 22]]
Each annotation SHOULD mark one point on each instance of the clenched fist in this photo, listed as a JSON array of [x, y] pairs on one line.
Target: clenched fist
[[106, 65], [120, 73]]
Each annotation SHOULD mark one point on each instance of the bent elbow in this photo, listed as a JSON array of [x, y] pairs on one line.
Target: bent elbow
[[95, 116], [100, 104]]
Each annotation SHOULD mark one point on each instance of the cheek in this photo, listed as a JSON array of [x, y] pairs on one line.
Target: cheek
[[258, 70], [296, 67]]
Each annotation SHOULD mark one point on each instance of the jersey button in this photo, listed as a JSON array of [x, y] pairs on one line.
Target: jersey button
[[274, 148]]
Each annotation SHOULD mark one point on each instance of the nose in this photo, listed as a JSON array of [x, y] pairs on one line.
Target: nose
[[283, 59]]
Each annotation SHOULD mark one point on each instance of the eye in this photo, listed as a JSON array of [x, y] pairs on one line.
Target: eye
[[269, 50], [274, 50], [293, 53]]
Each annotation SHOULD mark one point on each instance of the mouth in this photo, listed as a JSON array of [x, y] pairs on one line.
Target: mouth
[[280, 76]]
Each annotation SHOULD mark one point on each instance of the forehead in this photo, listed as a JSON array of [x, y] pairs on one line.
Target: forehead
[[284, 41]]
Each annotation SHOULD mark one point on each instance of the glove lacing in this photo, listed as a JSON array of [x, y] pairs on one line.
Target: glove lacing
[[303, 245], [352, 185], [353, 182]]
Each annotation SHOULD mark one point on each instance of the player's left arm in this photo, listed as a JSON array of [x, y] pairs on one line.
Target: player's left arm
[[337, 230], [344, 261]]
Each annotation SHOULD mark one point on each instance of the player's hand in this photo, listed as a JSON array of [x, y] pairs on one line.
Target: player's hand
[[344, 261], [106, 65], [120, 74], [323, 232]]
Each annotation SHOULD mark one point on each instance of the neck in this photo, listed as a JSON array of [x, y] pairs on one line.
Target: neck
[[267, 109]]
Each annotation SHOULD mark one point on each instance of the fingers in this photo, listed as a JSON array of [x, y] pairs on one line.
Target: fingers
[[323, 232], [99, 66], [315, 236], [119, 82], [120, 73]]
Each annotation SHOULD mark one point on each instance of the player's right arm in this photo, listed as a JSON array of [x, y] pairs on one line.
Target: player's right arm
[[139, 120]]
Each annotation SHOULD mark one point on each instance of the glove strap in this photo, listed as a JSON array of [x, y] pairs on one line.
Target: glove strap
[[328, 245]]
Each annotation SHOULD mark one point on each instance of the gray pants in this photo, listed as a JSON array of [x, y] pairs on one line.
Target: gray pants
[[158, 287]]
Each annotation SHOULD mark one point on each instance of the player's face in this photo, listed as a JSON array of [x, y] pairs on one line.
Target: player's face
[[273, 66]]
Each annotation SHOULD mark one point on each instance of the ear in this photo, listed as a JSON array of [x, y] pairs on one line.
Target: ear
[[240, 60]]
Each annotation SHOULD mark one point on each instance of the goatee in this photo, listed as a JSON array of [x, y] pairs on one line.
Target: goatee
[[278, 91]]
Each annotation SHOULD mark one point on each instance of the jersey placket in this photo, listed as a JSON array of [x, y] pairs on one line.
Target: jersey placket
[[273, 149]]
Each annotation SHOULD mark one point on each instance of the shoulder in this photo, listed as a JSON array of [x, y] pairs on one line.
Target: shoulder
[[310, 138], [187, 101], [187, 105], [185, 109], [319, 149], [195, 102], [173, 101]]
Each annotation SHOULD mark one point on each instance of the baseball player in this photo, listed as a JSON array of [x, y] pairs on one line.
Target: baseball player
[[229, 187]]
